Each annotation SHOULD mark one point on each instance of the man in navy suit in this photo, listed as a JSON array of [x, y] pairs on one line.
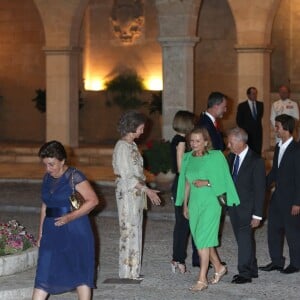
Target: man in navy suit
[[216, 107], [284, 209], [249, 176], [249, 115]]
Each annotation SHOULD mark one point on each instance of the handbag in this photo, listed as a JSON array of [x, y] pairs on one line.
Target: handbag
[[222, 199], [76, 199]]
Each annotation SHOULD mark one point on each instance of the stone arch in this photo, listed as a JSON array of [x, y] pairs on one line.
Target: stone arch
[[215, 57], [22, 71], [254, 22], [62, 21]]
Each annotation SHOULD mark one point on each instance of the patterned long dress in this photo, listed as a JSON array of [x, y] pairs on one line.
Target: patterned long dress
[[128, 167]]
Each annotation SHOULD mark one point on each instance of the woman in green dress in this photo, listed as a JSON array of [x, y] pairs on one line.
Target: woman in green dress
[[204, 176]]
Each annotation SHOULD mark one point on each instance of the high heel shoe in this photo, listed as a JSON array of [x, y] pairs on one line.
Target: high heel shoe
[[218, 276], [199, 286], [181, 268], [175, 265]]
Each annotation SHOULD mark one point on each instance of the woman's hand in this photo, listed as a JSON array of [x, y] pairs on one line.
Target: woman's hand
[[185, 211], [62, 220], [200, 183], [152, 194], [38, 241]]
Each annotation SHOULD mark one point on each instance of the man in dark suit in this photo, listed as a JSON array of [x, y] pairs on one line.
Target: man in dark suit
[[248, 171], [216, 107], [249, 116], [284, 209]]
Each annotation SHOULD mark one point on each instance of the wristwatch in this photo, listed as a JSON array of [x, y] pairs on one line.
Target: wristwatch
[[208, 183]]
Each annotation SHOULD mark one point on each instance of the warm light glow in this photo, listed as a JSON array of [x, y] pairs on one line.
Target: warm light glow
[[154, 84], [94, 84]]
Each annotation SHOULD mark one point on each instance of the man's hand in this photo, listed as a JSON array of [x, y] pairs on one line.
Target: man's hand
[[255, 223], [295, 210]]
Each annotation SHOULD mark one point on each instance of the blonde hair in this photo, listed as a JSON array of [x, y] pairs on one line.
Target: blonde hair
[[206, 137]]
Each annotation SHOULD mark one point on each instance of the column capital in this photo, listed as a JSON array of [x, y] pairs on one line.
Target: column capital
[[178, 41], [62, 50], [253, 48]]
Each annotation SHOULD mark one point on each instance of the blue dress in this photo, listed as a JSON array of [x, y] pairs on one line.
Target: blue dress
[[67, 253]]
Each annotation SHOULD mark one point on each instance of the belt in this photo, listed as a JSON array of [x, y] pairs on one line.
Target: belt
[[54, 212]]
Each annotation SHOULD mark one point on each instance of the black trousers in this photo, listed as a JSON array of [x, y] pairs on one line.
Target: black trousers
[[280, 223], [244, 235], [181, 233]]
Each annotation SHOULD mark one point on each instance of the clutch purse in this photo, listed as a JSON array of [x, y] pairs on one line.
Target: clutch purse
[[222, 199], [76, 199]]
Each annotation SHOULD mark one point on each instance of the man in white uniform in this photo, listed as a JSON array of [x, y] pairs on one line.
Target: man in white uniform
[[284, 106]]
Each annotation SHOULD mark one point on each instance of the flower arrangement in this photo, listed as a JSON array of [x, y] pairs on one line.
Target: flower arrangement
[[14, 238], [157, 157]]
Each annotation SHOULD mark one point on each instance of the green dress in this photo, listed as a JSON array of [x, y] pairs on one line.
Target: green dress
[[204, 208]]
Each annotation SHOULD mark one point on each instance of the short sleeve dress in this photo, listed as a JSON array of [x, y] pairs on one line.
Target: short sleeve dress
[[67, 253], [204, 208]]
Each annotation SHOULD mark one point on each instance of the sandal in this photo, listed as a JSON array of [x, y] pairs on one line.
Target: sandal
[[199, 286], [218, 276], [176, 265]]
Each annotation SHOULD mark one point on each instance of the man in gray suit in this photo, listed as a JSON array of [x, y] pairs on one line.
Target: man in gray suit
[[248, 172]]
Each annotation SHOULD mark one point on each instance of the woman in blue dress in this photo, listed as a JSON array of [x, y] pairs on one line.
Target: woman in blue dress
[[66, 242]]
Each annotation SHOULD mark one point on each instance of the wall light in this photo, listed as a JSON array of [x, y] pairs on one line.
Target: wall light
[[94, 84], [154, 84]]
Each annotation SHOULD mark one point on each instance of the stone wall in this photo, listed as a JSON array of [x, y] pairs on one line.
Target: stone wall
[[22, 71], [215, 56]]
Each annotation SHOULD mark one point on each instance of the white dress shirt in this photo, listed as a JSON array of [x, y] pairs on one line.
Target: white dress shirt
[[242, 156]]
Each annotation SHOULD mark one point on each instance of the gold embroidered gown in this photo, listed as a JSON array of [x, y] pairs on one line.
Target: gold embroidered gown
[[128, 166]]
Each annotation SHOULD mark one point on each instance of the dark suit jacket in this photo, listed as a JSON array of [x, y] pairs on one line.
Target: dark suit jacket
[[250, 185], [253, 127], [214, 133], [286, 177]]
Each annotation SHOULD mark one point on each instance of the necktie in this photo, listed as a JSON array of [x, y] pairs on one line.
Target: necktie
[[216, 124], [235, 167], [254, 113]]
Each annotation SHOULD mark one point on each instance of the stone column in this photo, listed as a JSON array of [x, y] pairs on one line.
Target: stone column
[[62, 66], [254, 70], [178, 78]]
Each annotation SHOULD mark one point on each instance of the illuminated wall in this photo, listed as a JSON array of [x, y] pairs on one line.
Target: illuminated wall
[[106, 55]]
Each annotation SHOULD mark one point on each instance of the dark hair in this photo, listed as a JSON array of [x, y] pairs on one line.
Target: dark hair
[[215, 98], [130, 121], [287, 122], [250, 88], [206, 136], [53, 149], [184, 121]]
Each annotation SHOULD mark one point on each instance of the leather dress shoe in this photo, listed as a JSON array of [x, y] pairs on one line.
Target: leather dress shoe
[[252, 276], [240, 279], [290, 269], [270, 267]]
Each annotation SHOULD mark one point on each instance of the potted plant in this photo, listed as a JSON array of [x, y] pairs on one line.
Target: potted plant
[[158, 161], [18, 251], [41, 104], [157, 156], [124, 90], [155, 104]]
